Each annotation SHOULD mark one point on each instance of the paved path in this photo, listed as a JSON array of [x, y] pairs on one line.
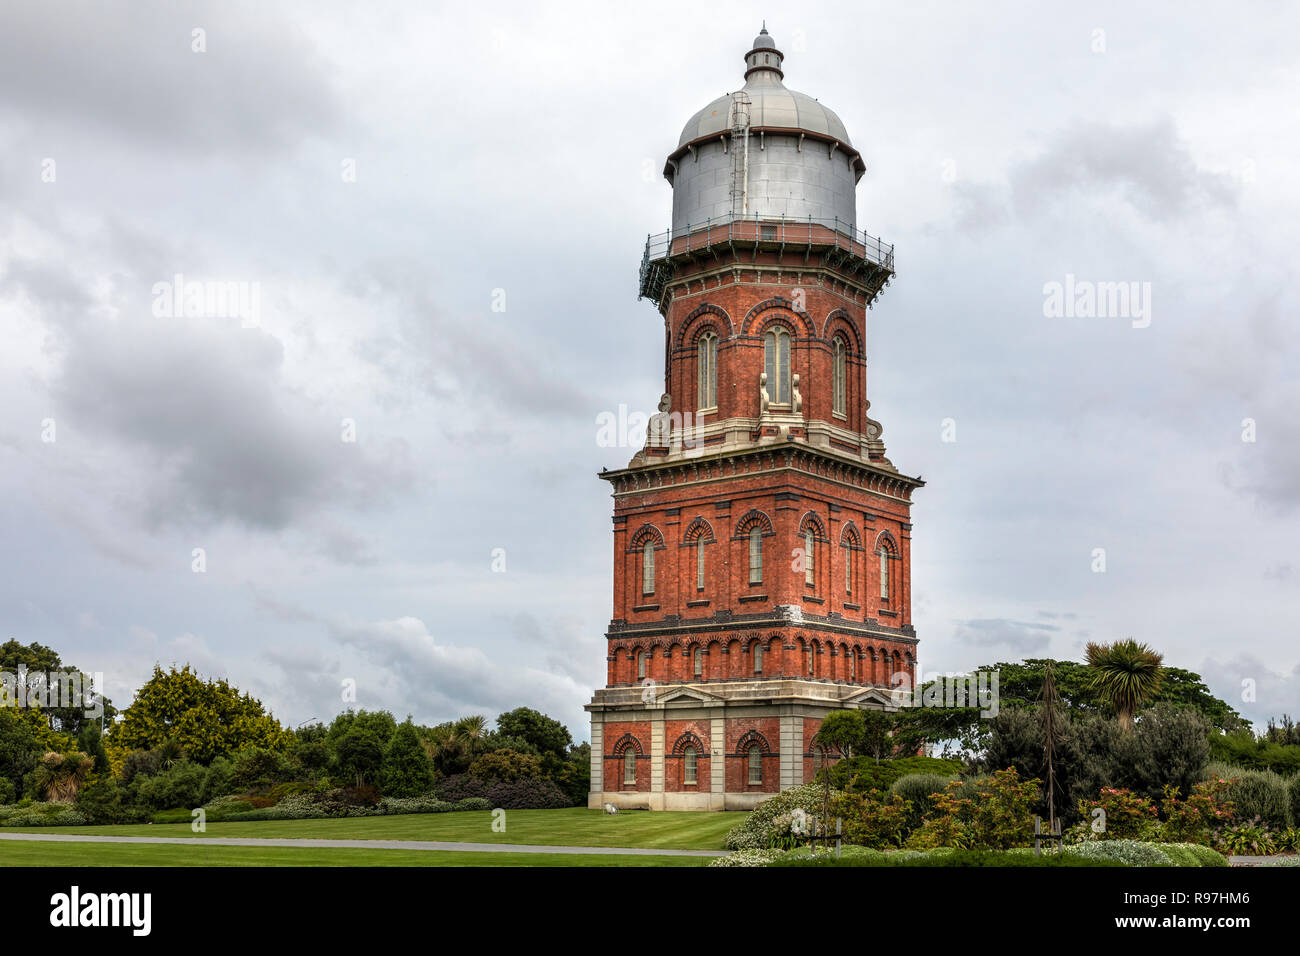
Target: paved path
[[363, 844]]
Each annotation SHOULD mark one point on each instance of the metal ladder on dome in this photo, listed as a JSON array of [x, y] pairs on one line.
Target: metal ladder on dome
[[740, 107]]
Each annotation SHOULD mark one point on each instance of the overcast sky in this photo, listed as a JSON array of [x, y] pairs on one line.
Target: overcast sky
[[383, 175]]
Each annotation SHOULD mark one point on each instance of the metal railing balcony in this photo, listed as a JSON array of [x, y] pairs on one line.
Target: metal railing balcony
[[759, 233]]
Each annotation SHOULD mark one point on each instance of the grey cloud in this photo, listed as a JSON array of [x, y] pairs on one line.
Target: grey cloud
[[1021, 637], [1148, 164], [218, 434], [127, 69]]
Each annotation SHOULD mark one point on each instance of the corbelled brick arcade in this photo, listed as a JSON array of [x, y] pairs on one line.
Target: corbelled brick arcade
[[761, 537]]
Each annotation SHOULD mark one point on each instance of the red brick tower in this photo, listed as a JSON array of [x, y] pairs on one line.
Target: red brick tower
[[761, 537]]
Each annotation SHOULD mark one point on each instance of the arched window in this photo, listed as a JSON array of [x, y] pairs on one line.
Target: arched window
[[755, 764], [884, 573], [809, 557], [706, 363], [629, 767], [648, 567], [688, 765], [848, 570], [838, 388], [699, 563], [853, 665], [776, 351], [812, 657], [698, 660], [758, 658], [756, 555], [640, 665]]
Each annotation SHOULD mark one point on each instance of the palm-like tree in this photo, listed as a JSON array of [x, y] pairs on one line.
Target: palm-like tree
[[1127, 674], [471, 731], [59, 776]]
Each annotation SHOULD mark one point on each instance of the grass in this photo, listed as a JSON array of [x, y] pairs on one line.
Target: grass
[[15, 854], [575, 826]]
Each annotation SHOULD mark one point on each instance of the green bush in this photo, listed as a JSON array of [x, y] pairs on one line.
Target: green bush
[[217, 782], [916, 788], [42, 815], [770, 822], [1127, 852], [1204, 855], [950, 857], [1293, 792], [866, 773], [1256, 793], [180, 785]]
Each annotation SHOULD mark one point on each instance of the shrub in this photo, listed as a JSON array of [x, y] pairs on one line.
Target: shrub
[[1192, 820], [747, 858], [1205, 855], [994, 814], [1169, 747], [461, 786], [255, 767], [1260, 793], [946, 858], [506, 765], [1128, 852], [1251, 838], [1125, 815], [917, 788], [537, 793], [473, 803], [180, 785], [770, 822], [873, 819], [866, 773], [217, 782], [42, 815]]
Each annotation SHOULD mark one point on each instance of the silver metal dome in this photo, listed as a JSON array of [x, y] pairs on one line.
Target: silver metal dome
[[764, 152]]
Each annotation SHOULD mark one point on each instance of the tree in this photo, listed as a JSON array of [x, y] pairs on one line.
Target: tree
[[43, 665], [20, 744], [842, 730], [471, 731], [359, 752], [549, 736], [1126, 674], [207, 719], [506, 765], [90, 742], [59, 776], [405, 771]]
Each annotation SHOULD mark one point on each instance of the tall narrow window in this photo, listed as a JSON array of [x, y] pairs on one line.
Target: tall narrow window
[[755, 765], [706, 361], [648, 568], [853, 665], [688, 765], [838, 390], [812, 657], [758, 658], [640, 665], [884, 573], [809, 558], [699, 563], [848, 570], [698, 657], [776, 353], [629, 767], [755, 555]]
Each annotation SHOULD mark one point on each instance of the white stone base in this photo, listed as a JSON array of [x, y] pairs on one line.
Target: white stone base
[[633, 800]]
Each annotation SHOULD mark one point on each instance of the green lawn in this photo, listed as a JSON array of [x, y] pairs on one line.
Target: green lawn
[[576, 826], [142, 854]]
